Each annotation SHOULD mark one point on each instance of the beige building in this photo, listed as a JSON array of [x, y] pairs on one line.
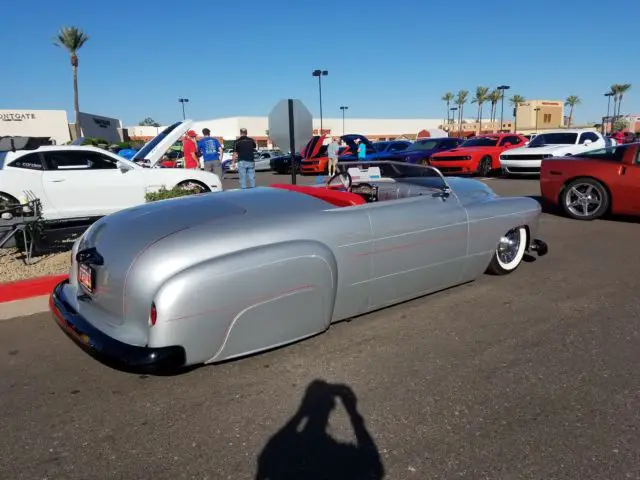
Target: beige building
[[548, 113]]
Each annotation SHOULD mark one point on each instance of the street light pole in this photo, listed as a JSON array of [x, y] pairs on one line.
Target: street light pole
[[537, 109], [183, 101], [503, 88], [608, 95], [343, 108], [320, 74], [453, 116]]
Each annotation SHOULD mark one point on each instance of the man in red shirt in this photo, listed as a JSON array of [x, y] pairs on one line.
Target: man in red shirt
[[190, 149]]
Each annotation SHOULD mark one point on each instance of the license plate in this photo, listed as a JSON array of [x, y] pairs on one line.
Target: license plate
[[85, 276]]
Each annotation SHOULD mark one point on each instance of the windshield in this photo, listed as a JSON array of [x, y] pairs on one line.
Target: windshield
[[150, 145], [613, 154], [559, 138], [392, 169], [428, 145], [481, 142]]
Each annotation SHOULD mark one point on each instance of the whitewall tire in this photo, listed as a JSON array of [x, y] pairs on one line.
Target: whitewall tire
[[509, 252]]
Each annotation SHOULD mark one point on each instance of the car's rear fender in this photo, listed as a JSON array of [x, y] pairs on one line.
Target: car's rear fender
[[247, 301]]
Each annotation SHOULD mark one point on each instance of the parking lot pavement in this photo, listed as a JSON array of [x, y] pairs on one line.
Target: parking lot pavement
[[532, 375]]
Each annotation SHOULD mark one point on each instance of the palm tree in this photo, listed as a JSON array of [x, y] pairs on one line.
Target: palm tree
[[572, 101], [72, 39], [515, 101], [447, 97], [460, 100], [494, 98], [481, 96], [620, 90]]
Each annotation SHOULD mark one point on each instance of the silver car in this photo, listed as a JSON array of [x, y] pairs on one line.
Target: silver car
[[210, 277]]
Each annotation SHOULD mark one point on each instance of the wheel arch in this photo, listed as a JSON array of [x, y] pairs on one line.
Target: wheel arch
[[590, 177], [196, 181]]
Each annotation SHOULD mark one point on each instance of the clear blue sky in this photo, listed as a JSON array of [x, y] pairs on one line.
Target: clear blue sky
[[390, 59]]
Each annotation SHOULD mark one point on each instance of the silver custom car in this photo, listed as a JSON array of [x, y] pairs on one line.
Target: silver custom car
[[207, 278]]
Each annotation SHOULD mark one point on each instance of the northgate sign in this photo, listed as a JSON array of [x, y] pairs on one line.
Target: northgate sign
[[17, 117]]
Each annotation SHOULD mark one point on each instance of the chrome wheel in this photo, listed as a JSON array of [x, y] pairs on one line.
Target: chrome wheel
[[194, 186], [509, 252], [509, 247], [584, 199]]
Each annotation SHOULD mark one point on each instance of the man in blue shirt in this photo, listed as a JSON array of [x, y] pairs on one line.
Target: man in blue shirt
[[211, 153]]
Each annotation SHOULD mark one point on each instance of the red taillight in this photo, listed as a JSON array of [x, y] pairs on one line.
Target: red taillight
[[153, 315]]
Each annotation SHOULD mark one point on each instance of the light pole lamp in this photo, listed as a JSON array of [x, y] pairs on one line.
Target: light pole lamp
[[453, 115], [343, 108], [183, 101], [320, 74], [608, 95], [502, 88], [537, 109]]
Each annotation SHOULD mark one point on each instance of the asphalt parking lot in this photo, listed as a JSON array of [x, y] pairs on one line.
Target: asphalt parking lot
[[530, 376]]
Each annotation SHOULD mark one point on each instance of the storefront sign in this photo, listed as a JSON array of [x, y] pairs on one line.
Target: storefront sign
[[102, 123], [17, 117]]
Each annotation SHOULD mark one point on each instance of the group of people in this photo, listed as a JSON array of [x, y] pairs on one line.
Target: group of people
[[211, 151], [333, 149]]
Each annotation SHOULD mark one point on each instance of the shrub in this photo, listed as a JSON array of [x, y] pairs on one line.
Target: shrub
[[164, 194]]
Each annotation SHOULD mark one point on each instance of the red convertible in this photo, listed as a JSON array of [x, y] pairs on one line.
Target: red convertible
[[479, 155], [589, 185]]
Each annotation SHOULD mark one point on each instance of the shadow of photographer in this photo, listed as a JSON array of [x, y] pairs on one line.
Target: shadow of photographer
[[303, 449]]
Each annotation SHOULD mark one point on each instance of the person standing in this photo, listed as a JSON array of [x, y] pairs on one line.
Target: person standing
[[332, 153], [244, 150], [362, 150], [211, 152], [189, 150]]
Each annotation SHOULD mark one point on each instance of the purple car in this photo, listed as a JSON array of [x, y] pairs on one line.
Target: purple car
[[420, 151]]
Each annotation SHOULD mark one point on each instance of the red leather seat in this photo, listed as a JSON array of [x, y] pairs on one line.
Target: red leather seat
[[334, 197]]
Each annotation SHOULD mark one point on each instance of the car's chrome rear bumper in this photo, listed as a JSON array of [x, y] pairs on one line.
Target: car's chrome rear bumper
[[108, 350], [539, 247]]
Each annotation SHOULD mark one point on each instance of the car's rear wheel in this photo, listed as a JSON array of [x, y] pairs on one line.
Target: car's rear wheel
[[584, 199], [484, 167], [509, 252], [195, 185]]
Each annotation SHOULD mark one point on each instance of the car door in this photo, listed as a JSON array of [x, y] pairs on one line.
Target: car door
[[629, 183], [85, 183], [22, 177], [419, 245], [591, 145]]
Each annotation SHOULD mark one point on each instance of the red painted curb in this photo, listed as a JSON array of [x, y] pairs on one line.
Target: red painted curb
[[33, 287]]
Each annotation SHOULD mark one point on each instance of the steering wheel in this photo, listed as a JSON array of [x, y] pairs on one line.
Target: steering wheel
[[341, 179]]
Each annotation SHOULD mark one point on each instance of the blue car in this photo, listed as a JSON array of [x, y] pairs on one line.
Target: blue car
[[420, 150], [388, 149]]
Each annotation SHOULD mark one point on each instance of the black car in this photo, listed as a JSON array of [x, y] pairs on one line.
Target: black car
[[282, 164]]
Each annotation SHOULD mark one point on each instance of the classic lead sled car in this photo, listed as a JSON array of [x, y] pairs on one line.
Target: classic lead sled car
[[211, 277]]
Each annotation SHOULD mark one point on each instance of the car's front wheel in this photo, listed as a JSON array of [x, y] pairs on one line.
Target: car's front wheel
[[195, 185], [484, 167], [584, 199], [509, 252]]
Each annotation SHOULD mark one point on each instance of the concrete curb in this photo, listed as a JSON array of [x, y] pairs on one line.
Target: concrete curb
[[23, 308], [24, 289]]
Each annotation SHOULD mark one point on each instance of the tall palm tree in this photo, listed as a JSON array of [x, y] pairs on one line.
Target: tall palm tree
[[72, 39], [494, 98], [621, 89], [460, 100], [571, 102], [515, 101], [448, 98], [481, 96]]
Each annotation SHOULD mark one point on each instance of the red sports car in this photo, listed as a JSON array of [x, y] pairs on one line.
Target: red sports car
[[479, 155], [594, 183]]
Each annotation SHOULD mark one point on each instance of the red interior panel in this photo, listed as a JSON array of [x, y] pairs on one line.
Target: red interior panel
[[334, 197]]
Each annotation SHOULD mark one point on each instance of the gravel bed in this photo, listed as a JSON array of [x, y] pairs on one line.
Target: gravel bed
[[12, 266]]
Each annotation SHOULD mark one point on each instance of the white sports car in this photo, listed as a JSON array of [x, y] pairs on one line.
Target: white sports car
[[82, 181], [528, 159]]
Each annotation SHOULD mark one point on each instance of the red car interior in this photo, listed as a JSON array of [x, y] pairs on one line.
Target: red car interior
[[330, 195]]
